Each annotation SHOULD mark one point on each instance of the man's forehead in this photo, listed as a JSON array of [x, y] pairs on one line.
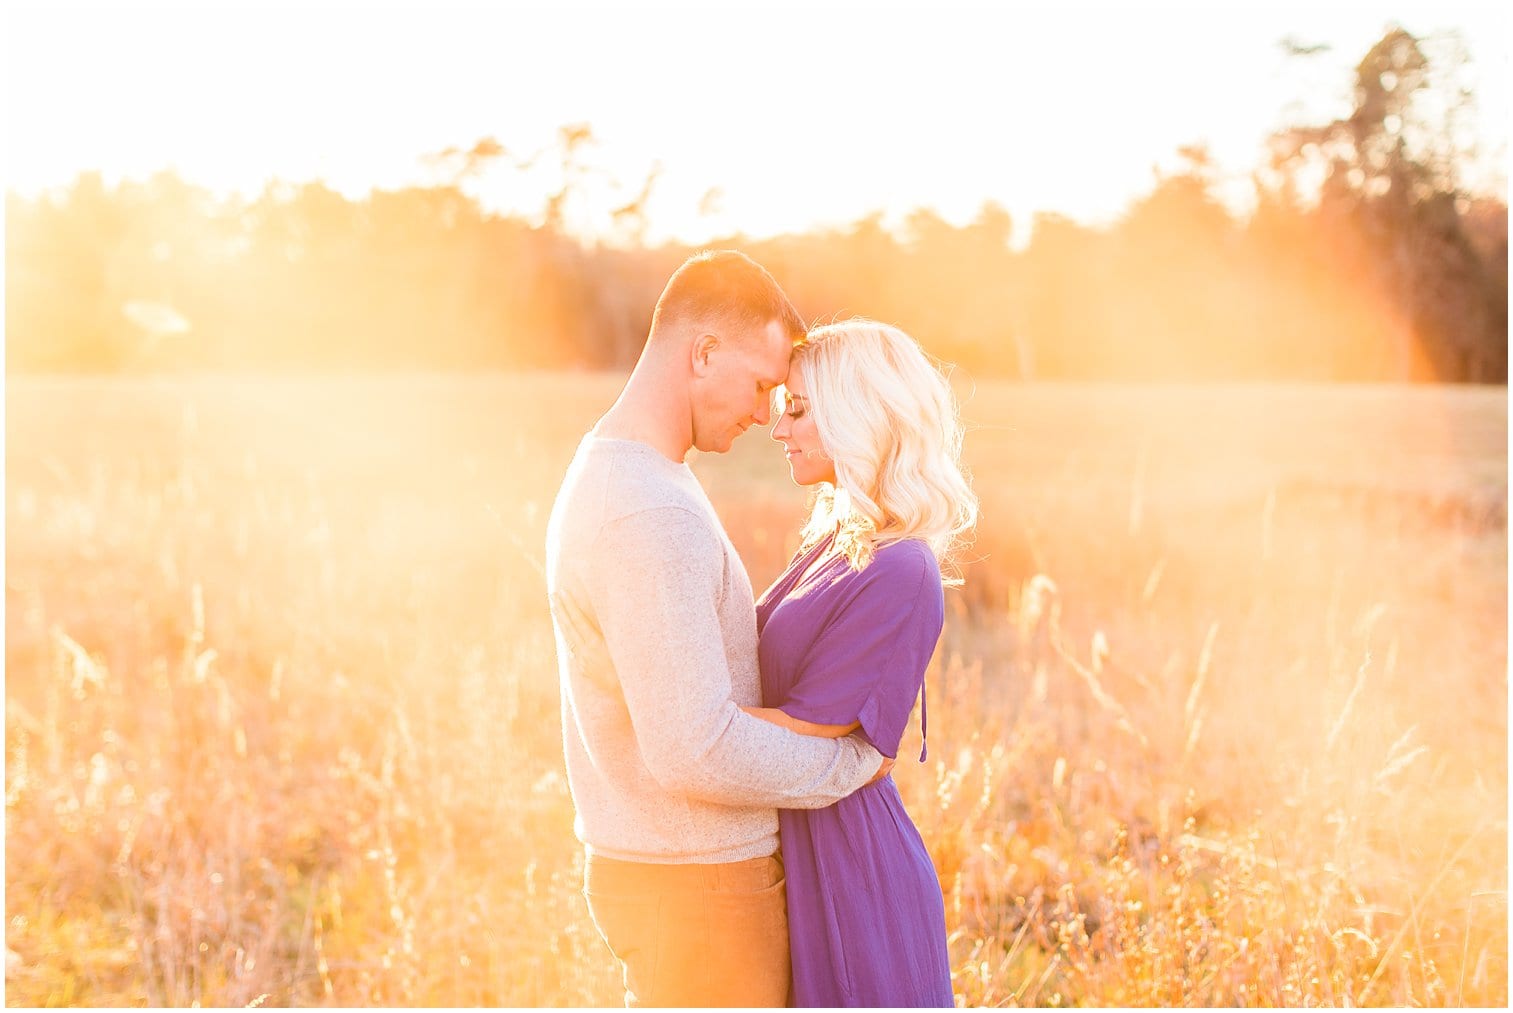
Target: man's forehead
[[777, 349], [777, 336]]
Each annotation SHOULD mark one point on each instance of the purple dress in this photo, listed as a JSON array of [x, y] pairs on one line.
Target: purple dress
[[865, 915]]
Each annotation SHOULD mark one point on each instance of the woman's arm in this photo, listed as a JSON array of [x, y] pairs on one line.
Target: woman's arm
[[793, 724], [781, 719]]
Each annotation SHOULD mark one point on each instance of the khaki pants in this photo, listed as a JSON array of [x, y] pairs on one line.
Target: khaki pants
[[694, 935]]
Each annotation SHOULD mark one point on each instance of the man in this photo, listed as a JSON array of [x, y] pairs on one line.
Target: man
[[675, 787]]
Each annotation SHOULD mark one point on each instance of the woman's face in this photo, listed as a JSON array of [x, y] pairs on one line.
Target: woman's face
[[795, 430]]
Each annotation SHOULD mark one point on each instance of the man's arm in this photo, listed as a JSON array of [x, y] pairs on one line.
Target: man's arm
[[655, 579]]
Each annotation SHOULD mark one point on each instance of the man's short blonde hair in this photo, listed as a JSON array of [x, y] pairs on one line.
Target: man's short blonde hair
[[724, 286]]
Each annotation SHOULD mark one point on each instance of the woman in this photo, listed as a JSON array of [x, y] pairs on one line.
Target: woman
[[845, 636]]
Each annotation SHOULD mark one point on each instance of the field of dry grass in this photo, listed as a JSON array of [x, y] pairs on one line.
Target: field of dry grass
[[1219, 718]]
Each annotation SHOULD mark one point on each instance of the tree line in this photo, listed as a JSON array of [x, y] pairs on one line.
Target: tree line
[[1363, 259]]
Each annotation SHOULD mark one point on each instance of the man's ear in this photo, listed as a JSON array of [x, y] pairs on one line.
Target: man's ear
[[702, 351]]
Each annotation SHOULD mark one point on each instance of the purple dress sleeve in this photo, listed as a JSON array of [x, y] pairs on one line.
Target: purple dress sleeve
[[868, 663]]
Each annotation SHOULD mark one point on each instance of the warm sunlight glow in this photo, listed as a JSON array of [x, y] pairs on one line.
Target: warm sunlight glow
[[309, 306], [1023, 107]]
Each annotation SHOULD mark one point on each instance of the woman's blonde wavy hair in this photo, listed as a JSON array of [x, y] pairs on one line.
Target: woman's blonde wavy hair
[[889, 420]]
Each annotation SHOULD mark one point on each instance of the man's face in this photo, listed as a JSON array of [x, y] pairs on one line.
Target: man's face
[[735, 392]]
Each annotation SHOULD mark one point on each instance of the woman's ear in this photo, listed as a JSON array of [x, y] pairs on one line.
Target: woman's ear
[[702, 350]]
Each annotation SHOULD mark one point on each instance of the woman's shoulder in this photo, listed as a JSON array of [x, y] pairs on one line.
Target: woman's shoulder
[[904, 569], [907, 556], [903, 579]]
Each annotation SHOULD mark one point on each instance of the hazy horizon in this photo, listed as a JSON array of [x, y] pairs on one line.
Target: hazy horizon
[[758, 121]]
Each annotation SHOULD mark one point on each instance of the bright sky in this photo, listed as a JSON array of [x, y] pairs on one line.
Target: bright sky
[[801, 114]]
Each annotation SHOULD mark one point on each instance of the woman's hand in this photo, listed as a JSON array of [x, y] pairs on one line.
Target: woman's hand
[[782, 720]]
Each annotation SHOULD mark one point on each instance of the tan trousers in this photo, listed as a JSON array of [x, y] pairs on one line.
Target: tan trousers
[[694, 935]]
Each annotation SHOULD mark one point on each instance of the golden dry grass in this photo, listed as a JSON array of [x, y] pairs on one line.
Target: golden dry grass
[[1220, 717]]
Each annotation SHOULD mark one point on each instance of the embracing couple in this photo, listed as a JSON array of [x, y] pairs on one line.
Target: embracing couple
[[702, 730]]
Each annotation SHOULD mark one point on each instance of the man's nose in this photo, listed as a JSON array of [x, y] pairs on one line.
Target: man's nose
[[763, 412]]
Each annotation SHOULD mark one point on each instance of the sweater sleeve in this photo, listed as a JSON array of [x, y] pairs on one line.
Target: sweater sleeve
[[654, 583]]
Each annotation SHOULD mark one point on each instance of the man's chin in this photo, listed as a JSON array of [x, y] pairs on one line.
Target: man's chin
[[719, 445]]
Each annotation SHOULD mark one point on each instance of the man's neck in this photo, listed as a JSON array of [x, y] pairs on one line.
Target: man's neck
[[646, 414]]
